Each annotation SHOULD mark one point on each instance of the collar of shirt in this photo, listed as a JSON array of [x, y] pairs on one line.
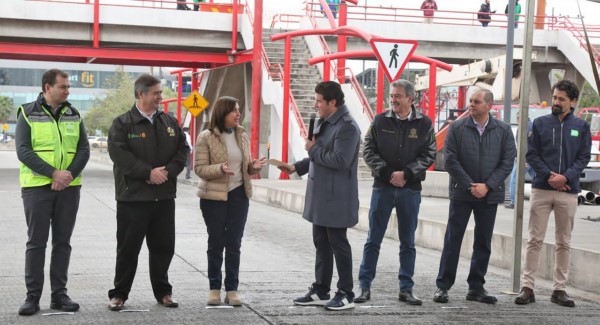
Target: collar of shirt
[[148, 117], [481, 128], [398, 117]]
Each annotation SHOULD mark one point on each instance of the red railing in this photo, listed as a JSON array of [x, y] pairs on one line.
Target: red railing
[[361, 95], [275, 72], [580, 36], [285, 18], [367, 110]]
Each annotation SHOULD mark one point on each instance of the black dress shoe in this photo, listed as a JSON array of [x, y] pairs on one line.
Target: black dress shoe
[[363, 295], [407, 296], [441, 295], [562, 298], [525, 296], [481, 295], [64, 303], [30, 306]]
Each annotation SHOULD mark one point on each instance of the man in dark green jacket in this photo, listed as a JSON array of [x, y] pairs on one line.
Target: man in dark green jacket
[[148, 149]]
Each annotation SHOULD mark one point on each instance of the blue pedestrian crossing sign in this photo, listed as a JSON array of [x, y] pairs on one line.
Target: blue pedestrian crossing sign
[[195, 103], [393, 55]]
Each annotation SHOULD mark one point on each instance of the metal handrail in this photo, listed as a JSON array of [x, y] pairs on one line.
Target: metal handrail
[[275, 72], [361, 95], [367, 110]]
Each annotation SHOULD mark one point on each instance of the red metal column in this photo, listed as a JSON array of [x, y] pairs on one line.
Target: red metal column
[[343, 13], [234, 27], [287, 62], [432, 91], [166, 107], [96, 36], [380, 84], [256, 79], [327, 70], [179, 95]]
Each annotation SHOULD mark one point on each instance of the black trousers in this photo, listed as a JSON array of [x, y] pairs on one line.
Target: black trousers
[[458, 219], [331, 242], [45, 208], [225, 222], [154, 220]]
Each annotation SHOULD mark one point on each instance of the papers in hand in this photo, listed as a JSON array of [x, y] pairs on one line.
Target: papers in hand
[[278, 163]]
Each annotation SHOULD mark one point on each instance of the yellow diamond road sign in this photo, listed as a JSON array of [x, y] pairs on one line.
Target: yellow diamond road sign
[[195, 103]]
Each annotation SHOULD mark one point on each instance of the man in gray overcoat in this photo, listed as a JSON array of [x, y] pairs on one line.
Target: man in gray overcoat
[[331, 203]]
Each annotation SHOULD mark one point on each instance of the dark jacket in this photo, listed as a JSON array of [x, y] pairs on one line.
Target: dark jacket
[[560, 147], [393, 145], [136, 146], [332, 186], [471, 158], [484, 13]]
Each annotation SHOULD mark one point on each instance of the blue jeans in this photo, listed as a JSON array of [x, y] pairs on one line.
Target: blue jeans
[[383, 200], [458, 218], [513, 180], [225, 222]]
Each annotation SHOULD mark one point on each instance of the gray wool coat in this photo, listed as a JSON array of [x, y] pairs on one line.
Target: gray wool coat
[[332, 188]]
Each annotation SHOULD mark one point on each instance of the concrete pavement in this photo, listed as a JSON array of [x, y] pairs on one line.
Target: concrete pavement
[[277, 266]]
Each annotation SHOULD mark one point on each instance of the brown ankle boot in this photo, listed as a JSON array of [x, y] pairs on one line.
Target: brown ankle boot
[[214, 297], [525, 296], [232, 298]]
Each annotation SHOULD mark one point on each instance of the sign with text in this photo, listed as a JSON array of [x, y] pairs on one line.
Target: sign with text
[[393, 55], [195, 103]]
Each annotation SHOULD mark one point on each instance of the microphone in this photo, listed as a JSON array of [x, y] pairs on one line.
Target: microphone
[[311, 126]]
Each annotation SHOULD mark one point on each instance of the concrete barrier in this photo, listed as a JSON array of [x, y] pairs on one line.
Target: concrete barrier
[[430, 234]]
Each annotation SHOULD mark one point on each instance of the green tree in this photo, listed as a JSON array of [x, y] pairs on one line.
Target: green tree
[[7, 107], [118, 100], [589, 97]]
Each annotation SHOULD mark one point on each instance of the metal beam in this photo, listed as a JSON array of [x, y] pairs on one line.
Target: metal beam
[[63, 53]]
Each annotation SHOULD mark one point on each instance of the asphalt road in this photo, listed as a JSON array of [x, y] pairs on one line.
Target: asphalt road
[[277, 266]]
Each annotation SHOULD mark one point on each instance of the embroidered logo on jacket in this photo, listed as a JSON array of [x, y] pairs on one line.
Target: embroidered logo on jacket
[[412, 134], [135, 136], [171, 131]]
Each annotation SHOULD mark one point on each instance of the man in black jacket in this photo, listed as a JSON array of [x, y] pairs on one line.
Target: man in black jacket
[[559, 148], [480, 151], [148, 149], [399, 147]]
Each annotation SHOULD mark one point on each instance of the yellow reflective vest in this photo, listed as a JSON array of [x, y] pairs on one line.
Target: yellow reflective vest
[[53, 141]]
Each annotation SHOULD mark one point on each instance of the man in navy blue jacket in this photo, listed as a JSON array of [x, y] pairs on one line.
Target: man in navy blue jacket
[[559, 148], [480, 151]]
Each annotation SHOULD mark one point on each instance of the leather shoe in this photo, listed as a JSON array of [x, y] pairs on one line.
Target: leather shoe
[[481, 295], [441, 295], [363, 295], [30, 306], [168, 301], [116, 303], [562, 298], [407, 296], [64, 303], [525, 296]]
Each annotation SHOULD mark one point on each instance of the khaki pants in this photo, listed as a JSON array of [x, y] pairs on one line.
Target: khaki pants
[[564, 206], [428, 20]]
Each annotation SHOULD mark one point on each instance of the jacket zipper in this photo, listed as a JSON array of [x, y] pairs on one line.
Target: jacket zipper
[[561, 147]]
